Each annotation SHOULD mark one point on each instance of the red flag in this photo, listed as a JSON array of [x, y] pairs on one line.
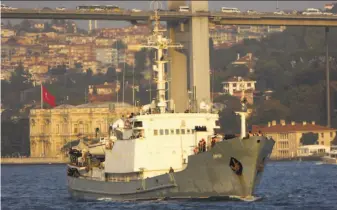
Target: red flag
[[47, 97]]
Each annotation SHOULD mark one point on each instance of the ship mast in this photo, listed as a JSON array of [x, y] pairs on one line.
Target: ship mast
[[243, 113], [160, 43]]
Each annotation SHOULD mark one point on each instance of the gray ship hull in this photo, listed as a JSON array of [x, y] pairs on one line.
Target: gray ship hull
[[208, 174]]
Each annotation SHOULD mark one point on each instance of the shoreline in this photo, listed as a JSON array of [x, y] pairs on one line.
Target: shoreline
[[33, 161]]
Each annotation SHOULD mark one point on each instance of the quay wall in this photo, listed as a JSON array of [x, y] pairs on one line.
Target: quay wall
[[33, 161]]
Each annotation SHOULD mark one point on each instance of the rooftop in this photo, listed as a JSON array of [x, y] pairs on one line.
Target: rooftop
[[237, 79], [273, 127], [93, 105]]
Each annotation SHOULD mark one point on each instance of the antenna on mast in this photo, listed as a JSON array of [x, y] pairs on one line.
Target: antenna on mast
[[160, 43]]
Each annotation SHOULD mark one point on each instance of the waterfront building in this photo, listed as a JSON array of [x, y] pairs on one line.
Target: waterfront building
[[288, 136], [312, 150], [50, 129]]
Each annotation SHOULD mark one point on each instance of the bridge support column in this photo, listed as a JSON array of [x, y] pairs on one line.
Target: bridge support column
[[194, 35], [199, 52], [178, 64]]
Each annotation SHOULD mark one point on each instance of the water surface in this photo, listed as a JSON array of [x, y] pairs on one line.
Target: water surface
[[284, 185]]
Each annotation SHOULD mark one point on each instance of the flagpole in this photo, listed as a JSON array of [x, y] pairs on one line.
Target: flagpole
[[124, 77], [117, 68], [41, 97], [133, 87]]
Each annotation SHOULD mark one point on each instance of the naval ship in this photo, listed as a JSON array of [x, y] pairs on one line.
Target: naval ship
[[161, 154]]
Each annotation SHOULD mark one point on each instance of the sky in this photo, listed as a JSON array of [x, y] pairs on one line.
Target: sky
[[263, 6]]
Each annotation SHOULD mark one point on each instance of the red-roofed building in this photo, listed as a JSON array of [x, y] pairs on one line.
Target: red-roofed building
[[288, 136]]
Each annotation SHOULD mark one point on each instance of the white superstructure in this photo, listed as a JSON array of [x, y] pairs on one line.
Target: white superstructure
[[164, 140]]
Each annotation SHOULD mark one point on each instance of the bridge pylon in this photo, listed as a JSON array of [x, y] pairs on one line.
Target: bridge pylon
[[189, 69]]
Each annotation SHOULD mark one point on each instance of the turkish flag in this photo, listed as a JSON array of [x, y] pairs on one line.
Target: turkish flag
[[47, 97]]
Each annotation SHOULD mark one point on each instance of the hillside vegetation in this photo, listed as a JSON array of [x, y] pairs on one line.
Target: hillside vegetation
[[292, 64]]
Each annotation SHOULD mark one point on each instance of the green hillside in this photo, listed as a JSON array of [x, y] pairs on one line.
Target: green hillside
[[292, 64]]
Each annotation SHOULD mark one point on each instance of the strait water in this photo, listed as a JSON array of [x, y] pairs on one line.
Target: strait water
[[284, 185]]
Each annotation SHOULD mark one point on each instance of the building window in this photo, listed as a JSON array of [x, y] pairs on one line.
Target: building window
[[322, 142], [75, 128], [249, 85], [283, 136], [161, 132], [331, 134], [322, 135], [177, 131], [188, 131], [193, 131], [166, 132], [182, 131], [155, 132], [172, 132]]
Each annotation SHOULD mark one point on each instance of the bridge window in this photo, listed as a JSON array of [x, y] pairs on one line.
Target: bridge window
[[155, 132], [161, 132], [166, 131], [172, 132], [178, 131], [182, 131]]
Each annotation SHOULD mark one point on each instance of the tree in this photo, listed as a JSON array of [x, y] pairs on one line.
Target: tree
[[236, 70], [229, 121], [78, 65], [89, 73], [94, 91], [111, 74], [119, 44], [309, 138], [306, 102], [268, 111], [20, 79], [140, 60]]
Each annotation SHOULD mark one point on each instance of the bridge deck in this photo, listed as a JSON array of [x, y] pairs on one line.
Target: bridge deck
[[215, 17]]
